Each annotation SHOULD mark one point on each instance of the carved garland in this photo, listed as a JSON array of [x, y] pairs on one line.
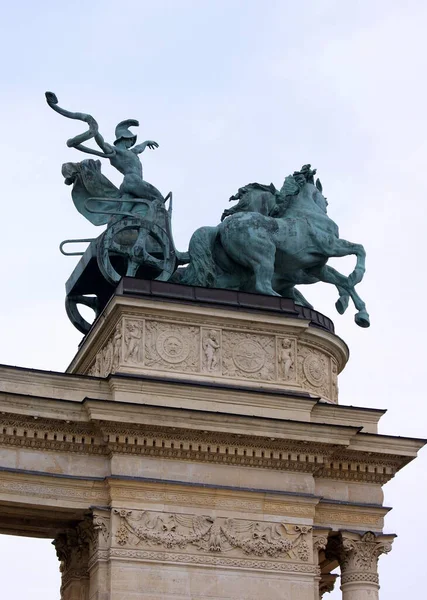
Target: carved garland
[[213, 535]]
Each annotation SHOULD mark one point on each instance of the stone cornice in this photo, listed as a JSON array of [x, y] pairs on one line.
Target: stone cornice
[[62, 394], [205, 437]]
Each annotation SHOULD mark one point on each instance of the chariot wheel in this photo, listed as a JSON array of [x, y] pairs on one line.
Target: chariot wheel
[[141, 245], [71, 306]]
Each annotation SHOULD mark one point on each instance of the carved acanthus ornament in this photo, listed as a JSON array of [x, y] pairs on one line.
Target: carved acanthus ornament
[[358, 555], [319, 543], [72, 550], [326, 580], [77, 548]]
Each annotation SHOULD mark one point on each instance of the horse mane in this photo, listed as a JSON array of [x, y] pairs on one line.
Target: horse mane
[[295, 182], [257, 186]]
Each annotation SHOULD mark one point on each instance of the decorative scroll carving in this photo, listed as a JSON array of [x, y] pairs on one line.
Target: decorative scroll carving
[[101, 526], [319, 543], [213, 535], [248, 355], [211, 351], [172, 347]]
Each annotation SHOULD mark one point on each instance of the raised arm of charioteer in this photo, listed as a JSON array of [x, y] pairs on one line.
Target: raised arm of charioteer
[[92, 133], [139, 149]]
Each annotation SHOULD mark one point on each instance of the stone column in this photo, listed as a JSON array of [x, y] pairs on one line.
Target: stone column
[[73, 552], [324, 581], [358, 556], [99, 536], [326, 584], [83, 553]]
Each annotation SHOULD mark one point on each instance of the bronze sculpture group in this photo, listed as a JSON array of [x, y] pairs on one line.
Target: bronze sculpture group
[[269, 242]]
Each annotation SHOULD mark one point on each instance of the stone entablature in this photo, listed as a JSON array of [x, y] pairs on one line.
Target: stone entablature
[[185, 495], [215, 481], [139, 336]]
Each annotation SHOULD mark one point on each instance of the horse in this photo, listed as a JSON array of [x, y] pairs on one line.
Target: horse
[[264, 254], [254, 197]]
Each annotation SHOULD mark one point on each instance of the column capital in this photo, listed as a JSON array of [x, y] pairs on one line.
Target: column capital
[[358, 555], [320, 540], [72, 551]]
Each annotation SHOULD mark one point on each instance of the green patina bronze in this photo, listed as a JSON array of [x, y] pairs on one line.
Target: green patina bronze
[[272, 241], [267, 243]]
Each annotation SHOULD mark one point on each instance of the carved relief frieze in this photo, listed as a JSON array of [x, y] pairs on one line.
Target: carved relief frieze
[[133, 338], [101, 531], [212, 535], [109, 357], [215, 560], [334, 380], [211, 351], [182, 345], [172, 347], [286, 359], [361, 519], [314, 370], [250, 356]]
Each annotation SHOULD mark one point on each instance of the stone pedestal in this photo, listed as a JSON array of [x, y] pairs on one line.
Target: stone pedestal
[[195, 450], [245, 340]]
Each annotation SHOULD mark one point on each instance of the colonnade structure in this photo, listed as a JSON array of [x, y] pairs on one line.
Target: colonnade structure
[[195, 449]]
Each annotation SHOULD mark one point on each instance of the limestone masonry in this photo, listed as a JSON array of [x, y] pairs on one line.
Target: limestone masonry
[[195, 449]]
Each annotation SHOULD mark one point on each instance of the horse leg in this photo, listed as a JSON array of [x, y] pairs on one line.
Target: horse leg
[[260, 257], [289, 291], [342, 303], [343, 248], [298, 298], [345, 288]]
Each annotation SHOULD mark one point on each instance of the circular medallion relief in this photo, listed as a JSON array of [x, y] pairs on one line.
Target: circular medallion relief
[[249, 356], [314, 370], [171, 347]]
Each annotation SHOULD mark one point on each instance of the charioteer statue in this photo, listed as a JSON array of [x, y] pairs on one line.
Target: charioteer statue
[[269, 242]]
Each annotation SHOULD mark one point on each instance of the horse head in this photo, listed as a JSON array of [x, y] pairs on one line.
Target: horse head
[[302, 187], [253, 197]]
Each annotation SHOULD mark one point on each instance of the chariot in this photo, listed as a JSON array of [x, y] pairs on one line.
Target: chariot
[[137, 242]]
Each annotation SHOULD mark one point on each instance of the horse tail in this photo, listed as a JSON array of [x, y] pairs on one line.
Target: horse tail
[[201, 270]]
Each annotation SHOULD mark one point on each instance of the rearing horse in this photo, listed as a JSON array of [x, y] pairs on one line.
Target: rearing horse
[[270, 255]]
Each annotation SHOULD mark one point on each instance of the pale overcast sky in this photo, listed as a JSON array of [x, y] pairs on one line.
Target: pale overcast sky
[[234, 91]]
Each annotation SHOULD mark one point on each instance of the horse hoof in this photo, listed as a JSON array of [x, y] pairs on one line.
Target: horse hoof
[[362, 319], [341, 305]]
